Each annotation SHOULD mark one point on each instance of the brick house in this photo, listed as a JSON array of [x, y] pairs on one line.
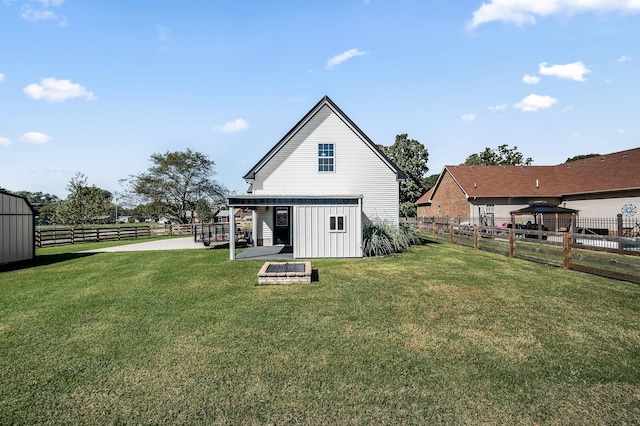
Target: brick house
[[601, 186]]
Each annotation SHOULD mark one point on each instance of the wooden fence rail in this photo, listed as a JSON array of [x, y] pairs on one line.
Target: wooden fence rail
[[52, 236], [609, 256]]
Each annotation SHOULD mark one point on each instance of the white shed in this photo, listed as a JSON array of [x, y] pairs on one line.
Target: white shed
[[17, 229]]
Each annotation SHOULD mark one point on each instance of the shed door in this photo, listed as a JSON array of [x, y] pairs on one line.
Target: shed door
[[282, 225]]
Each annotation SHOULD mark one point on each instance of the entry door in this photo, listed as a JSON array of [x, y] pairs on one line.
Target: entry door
[[283, 225]]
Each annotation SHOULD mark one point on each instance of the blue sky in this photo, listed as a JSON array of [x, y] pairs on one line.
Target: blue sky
[[98, 86]]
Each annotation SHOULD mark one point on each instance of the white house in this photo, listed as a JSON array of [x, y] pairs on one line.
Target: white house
[[319, 185]]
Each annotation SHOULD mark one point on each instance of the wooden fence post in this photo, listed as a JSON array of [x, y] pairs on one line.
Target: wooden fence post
[[512, 242], [451, 232], [434, 229], [566, 251], [476, 241]]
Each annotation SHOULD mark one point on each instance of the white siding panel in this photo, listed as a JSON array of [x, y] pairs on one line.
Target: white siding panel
[[313, 237], [602, 207], [358, 169], [264, 224]]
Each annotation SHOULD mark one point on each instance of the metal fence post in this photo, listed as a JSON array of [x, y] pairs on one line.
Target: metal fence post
[[620, 231]]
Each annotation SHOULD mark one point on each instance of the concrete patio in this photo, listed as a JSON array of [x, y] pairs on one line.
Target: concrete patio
[[279, 252]]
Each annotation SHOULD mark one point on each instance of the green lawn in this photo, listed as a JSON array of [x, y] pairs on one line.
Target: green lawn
[[442, 335]]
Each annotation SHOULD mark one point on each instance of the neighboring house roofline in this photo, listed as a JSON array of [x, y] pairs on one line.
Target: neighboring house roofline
[[604, 174], [466, 194], [328, 102]]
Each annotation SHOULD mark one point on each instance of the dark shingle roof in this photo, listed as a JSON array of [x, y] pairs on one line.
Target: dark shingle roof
[[618, 171]]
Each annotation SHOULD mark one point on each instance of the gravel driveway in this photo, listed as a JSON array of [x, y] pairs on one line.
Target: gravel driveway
[[185, 243]]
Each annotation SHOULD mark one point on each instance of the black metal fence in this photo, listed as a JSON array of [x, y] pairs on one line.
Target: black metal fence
[[619, 226]]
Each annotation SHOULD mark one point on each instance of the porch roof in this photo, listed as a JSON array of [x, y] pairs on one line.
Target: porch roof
[[292, 200]]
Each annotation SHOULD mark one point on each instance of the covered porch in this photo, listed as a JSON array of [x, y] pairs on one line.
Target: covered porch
[[302, 226]]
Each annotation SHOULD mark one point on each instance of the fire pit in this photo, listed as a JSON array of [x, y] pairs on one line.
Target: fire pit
[[285, 273]]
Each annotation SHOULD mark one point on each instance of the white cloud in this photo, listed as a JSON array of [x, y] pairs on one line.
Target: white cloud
[[47, 3], [35, 138], [468, 117], [574, 71], [59, 170], [2, 77], [620, 130], [41, 10], [533, 103], [54, 90], [531, 79], [500, 107], [521, 12], [624, 58], [338, 59], [234, 126], [4, 141]]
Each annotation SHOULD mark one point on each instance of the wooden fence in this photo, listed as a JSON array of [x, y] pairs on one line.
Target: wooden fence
[[52, 236], [609, 256]]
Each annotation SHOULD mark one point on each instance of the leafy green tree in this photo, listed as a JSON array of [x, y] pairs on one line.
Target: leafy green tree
[[204, 212], [177, 181], [411, 157], [38, 199], [581, 157], [503, 156], [430, 181], [84, 204]]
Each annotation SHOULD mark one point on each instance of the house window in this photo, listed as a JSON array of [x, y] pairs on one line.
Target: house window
[[491, 208], [325, 157], [336, 224]]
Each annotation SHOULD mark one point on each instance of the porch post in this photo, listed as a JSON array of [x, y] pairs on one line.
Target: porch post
[[254, 227], [232, 233]]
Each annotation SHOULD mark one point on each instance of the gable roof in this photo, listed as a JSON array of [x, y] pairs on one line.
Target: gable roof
[[325, 101], [426, 198], [617, 171]]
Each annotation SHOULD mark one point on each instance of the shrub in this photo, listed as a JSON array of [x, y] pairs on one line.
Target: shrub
[[383, 239]]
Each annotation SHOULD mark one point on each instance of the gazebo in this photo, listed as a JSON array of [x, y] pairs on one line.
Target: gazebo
[[548, 215]]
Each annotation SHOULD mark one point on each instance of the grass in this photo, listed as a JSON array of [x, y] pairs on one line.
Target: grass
[[442, 334]]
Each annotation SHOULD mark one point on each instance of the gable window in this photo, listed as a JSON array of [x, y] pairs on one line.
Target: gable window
[[325, 157], [336, 224]]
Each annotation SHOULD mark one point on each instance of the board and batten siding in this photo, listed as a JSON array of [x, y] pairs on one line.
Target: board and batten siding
[[264, 231], [293, 170], [16, 229], [314, 238]]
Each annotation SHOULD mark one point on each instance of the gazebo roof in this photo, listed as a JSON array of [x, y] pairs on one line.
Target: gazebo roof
[[543, 208]]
